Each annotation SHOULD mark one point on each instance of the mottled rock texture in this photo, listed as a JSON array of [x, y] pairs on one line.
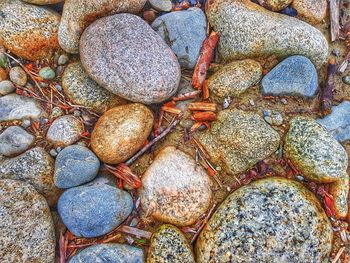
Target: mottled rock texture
[[27, 30], [270, 220], [276, 5], [137, 65], [15, 140], [43, 2], [312, 11]]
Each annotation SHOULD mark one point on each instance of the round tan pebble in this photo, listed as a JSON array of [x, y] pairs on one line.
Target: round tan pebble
[[120, 132], [18, 76], [277, 5], [149, 16], [312, 11]]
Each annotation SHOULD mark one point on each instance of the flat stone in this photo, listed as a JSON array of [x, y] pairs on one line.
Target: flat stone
[[238, 140], [16, 107], [6, 87], [27, 231], [117, 253], [28, 31], [121, 132], [15, 140], [94, 210], [79, 14], [277, 5], [174, 189], [234, 79], [35, 167], [18, 76], [248, 30], [319, 157], [184, 32], [161, 5], [138, 65], [338, 122], [168, 244], [295, 75], [269, 220], [75, 165], [65, 131], [312, 11], [43, 2], [82, 90]]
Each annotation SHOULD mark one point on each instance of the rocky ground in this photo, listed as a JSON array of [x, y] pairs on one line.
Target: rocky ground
[[174, 131]]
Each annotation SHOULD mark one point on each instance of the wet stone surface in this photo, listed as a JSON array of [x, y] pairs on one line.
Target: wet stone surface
[[15, 140]]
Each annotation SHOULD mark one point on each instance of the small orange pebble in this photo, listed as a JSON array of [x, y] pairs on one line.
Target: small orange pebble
[[149, 16]]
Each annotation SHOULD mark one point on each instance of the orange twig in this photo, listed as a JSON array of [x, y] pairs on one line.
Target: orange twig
[[187, 96], [206, 90], [123, 172], [204, 116], [171, 110], [202, 106]]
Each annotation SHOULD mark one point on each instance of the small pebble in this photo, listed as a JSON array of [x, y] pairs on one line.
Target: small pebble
[[251, 102], [284, 101], [26, 123], [56, 112], [58, 87], [59, 70], [6, 87], [273, 117], [63, 59], [161, 5], [58, 149], [346, 80], [43, 84], [149, 16], [47, 73], [227, 102], [77, 113], [53, 153], [336, 52], [18, 76]]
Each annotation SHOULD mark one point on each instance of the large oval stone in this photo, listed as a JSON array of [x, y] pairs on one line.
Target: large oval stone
[[121, 132], [174, 189], [28, 31], [27, 231], [78, 14], [93, 210], [249, 30], [270, 220], [123, 54]]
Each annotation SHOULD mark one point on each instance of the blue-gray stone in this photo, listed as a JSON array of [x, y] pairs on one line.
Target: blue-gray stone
[[184, 32], [295, 75], [338, 122], [93, 210], [109, 253], [75, 165]]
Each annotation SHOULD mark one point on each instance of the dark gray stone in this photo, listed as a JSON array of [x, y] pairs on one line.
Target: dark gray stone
[[75, 165], [15, 140], [184, 32], [295, 75]]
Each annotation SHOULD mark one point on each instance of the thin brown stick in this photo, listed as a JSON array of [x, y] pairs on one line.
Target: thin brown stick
[[340, 252], [205, 221], [327, 93], [187, 96], [334, 17], [202, 106], [135, 232]]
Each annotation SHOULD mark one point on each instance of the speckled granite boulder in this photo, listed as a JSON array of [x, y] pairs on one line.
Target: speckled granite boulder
[[174, 189], [78, 14], [116, 253], [276, 5], [121, 132], [75, 165], [16, 107], [137, 65], [312, 11], [186, 41], [319, 157], [65, 131], [249, 30], [270, 220], [28, 31], [168, 244], [238, 140], [43, 2], [82, 90], [338, 122], [35, 167], [94, 210], [295, 75], [15, 140], [234, 78], [27, 232]]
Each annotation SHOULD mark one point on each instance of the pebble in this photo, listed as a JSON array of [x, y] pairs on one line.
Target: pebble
[[137, 66], [82, 90], [43, 2], [312, 11], [118, 253], [6, 87], [94, 210], [3, 74], [346, 80], [121, 132], [56, 112], [15, 140], [35, 167], [26, 124], [234, 78], [53, 152], [28, 31], [174, 189], [16, 107], [284, 101], [277, 5], [63, 60], [186, 41], [65, 131], [18, 76], [162, 5], [168, 244], [27, 231], [47, 73], [77, 15], [238, 140], [319, 157], [248, 30], [338, 122], [273, 118], [149, 16], [294, 76], [75, 165], [269, 220]]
